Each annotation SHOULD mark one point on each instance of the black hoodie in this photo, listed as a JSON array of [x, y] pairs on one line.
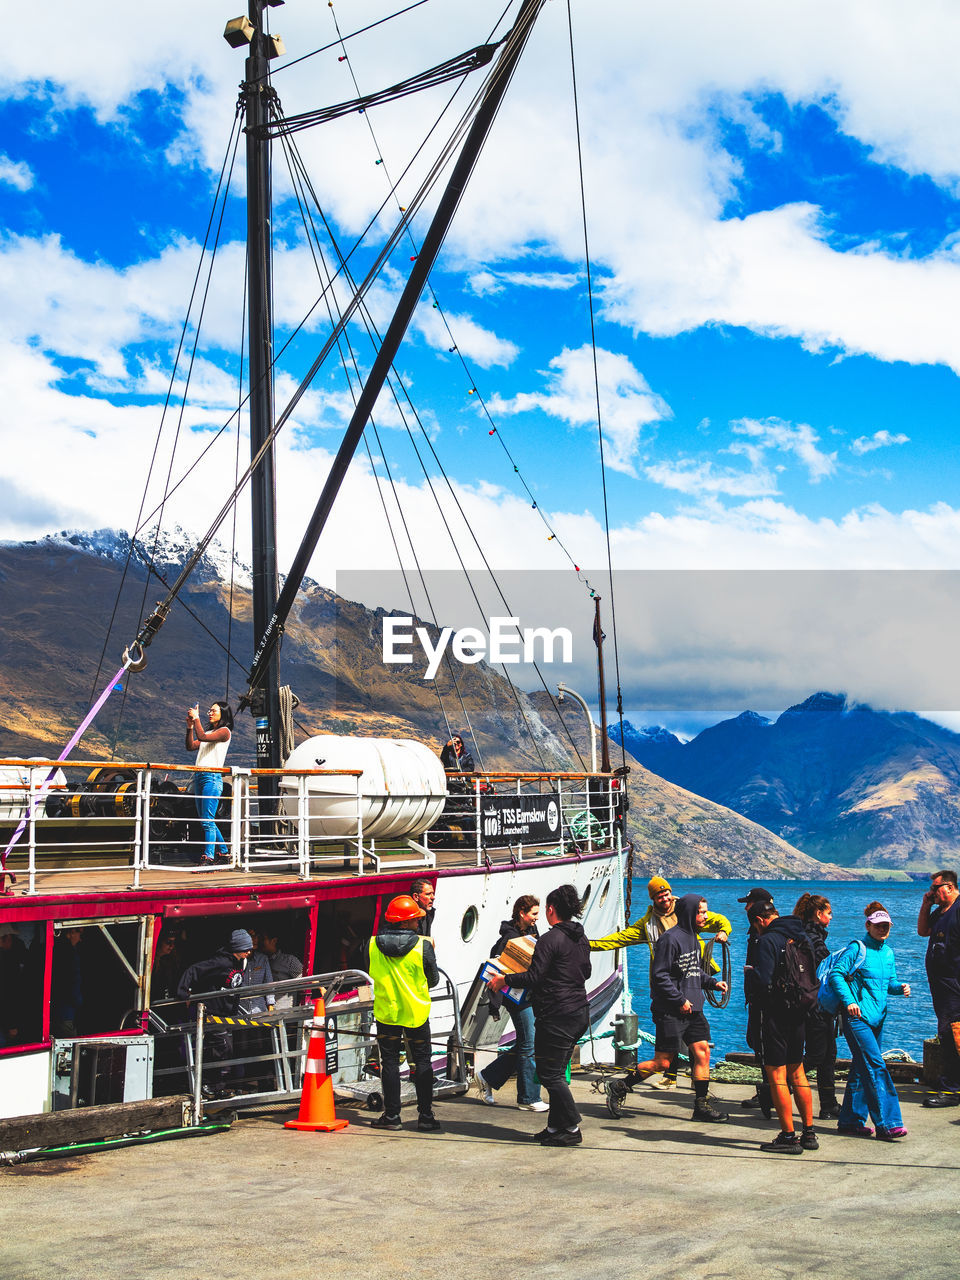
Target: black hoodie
[[677, 974], [510, 929]]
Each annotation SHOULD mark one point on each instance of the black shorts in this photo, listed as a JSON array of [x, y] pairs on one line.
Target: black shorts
[[688, 1028], [781, 1034]]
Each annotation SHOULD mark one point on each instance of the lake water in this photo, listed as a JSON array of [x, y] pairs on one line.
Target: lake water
[[908, 1022]]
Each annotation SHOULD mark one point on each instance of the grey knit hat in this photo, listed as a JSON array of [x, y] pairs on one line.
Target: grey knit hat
[[240, 940]]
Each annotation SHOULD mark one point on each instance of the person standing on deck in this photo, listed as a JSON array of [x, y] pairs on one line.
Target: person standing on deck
[[404, 968], [660, 916], [939, 921], [782, 1026], [820, 1029], [211, 745], [751, 997], [677, 982], [556, 980], [863, 989]]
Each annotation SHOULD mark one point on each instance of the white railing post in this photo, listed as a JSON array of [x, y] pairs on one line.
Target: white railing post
[[147, 792], [32, 832], [359, 824], [303, 826], [562, 819], [137, 827], [240, 819]]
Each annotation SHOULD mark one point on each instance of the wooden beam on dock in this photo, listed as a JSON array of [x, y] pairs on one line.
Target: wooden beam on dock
[[94, 1124]]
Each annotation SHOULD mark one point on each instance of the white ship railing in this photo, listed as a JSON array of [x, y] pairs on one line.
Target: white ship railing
[[99, 816]]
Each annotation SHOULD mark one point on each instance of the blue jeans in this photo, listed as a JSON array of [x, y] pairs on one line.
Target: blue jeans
[[869, 1086], [208, 788], [518, 1058]]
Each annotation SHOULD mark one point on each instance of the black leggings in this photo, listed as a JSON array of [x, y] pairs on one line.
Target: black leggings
[[553, 1046]]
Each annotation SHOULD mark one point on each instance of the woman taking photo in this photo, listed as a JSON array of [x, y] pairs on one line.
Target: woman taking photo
[[518, 1060], [211, 748], [820, 1029], [863, 988], [556, 981]]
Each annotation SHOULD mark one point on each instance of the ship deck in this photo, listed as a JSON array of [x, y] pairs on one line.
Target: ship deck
[[651, 1195]]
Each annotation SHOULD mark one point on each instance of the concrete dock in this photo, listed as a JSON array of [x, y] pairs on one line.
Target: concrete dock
[[652, 1195]]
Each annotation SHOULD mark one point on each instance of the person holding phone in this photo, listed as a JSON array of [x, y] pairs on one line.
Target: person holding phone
[[211, 745]]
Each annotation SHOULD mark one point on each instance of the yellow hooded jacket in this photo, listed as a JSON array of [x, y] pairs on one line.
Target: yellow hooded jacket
[[648, 929]]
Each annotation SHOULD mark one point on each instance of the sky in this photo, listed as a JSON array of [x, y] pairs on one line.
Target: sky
[[770, 194]]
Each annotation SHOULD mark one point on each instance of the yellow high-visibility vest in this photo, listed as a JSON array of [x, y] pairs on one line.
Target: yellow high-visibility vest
[[401, 997]]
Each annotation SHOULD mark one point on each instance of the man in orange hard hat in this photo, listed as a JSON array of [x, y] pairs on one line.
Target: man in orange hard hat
[[404, 968]]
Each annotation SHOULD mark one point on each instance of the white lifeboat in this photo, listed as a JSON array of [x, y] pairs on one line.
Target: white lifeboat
[[403, 786]]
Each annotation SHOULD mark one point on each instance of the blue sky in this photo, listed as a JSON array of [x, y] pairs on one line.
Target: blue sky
[[772, 212]]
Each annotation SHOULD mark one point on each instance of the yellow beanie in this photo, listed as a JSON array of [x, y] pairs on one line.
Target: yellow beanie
[[656, 885]]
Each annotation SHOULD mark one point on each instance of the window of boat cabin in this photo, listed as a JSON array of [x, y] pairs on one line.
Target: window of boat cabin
[[187, 940], [97, 970], [23, 962]]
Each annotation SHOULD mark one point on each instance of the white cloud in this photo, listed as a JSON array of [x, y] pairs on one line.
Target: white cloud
[[627, 403], [16, 174], [800, 440], [701, 478], [879, 440]]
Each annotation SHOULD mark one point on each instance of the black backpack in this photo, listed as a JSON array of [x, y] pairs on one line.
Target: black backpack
[[795, 982]]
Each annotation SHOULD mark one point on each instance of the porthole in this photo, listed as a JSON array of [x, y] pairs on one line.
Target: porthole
[[586, 898], [604, 891], [468, 925]]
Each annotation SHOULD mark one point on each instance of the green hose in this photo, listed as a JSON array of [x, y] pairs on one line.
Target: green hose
[[113, 1144]]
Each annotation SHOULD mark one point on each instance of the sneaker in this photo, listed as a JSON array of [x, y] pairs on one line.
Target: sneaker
[[830, 1111], [539, 1105], [787, 1144], [808, 1140], [429, 1124], [544, 1133], [855, 1130], [891, 1135], [706, 1109], [750, 1102], [484, 1090], [386, 1122], [562, 1138], [616, 1092], [941, 1100]]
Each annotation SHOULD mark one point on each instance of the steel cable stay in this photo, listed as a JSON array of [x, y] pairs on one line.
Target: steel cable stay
[[306, 183], [392, 383], [221, 192], [596, 382]]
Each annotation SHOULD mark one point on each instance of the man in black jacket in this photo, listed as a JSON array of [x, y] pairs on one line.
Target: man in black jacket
[[781, 1025], [761, 1097], [223, 971]]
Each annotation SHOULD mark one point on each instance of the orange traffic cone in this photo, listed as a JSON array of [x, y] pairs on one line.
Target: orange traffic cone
[[316, 1100]]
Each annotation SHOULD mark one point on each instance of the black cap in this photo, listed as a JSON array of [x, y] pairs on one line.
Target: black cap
[[757, 895]]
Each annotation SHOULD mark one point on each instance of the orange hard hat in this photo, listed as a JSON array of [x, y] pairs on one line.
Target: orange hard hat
[[402, 909]]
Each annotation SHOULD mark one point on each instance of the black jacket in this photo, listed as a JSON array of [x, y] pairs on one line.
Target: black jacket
[[425, 924], [677, 974], [395, 943], [221, 972], [558, 972], [508, 930], [770, 947], [817, 937]]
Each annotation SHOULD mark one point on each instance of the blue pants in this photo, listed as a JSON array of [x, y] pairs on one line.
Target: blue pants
[[208, 788], [869, 1086], [518, 1058]]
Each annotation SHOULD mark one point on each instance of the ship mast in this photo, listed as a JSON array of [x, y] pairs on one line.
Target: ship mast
[[256, 93]]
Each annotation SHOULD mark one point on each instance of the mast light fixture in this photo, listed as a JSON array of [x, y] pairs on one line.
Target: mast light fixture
[[238, 32]]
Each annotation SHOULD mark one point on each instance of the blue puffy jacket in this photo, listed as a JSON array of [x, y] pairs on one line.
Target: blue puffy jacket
[[870, 985]]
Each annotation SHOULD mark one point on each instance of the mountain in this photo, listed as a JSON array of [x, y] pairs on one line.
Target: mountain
[[842, 781], [61, 593]]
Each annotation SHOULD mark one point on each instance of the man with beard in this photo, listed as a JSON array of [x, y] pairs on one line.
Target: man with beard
[[677, 982], [939, 921], [660, 916]]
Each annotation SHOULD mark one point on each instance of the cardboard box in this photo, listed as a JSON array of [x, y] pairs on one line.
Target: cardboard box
[[517, 954]]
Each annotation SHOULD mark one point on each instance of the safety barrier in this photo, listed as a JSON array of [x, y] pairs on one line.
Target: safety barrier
[[237, 1062]]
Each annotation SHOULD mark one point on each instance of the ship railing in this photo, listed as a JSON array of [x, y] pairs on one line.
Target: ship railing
[[256, 1059], [100, 816], [507, 817]]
